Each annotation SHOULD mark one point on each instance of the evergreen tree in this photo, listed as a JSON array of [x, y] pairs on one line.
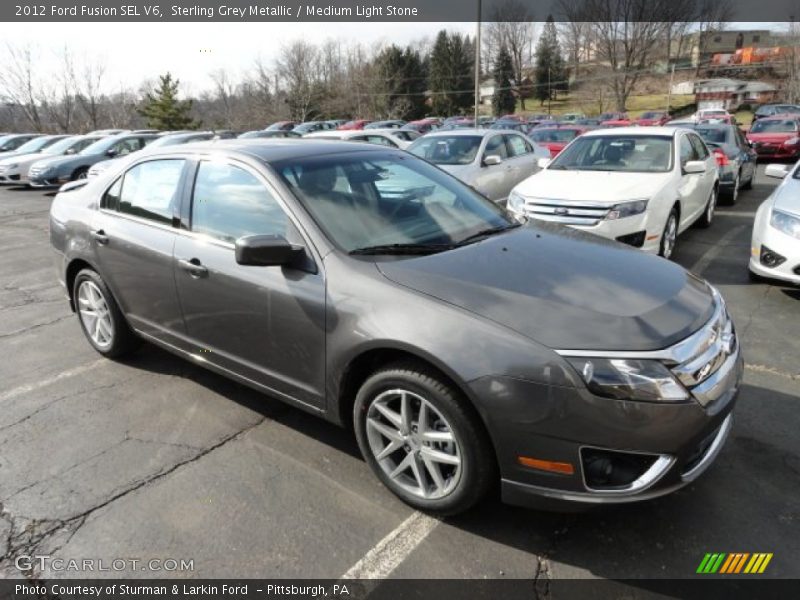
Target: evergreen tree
[[403, 72], [503, 101], [163, 110], [550, 73], [450, 74]]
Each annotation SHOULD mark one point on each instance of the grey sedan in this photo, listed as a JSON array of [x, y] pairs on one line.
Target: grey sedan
[[491, 161], [464, 347]]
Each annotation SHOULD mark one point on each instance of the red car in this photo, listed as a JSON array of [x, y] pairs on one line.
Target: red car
[[608, 117], [355, 124], [616, 123], [652, 118], [423, 126], [776, 137], [556, 139]]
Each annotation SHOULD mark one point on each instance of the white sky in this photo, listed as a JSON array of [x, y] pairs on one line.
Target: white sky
[[138, 51], [134, 52]]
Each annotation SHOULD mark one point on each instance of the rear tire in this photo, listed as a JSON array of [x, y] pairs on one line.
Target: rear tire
[[101, 319], [708, 214], [81, 173], [438, 459]]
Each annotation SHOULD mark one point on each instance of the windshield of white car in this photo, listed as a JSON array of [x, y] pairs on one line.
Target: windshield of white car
[[61, 145], [774, 126], [379, 202], [623, 153], [34, 145], [447, 150]]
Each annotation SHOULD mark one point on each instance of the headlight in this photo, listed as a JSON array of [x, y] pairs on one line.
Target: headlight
[[626, 209], [11, 166], [516, 202], [786, 223], [792, 141], [627, 379]]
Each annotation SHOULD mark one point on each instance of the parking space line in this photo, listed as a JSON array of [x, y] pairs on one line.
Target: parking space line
[[719, 246], [30, 387], [393, 549], [735, 213]]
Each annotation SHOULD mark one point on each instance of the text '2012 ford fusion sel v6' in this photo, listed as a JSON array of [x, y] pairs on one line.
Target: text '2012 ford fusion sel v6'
[[465, 346]]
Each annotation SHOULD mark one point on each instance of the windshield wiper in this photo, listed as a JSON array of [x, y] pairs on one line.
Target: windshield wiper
[[487, 232], [402, 249]]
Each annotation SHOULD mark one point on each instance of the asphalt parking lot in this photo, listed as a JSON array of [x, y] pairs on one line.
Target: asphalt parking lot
[[154, 457]]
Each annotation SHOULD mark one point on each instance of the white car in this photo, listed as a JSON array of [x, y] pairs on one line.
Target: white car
[[775, 246], [638, 185], [394, 138]]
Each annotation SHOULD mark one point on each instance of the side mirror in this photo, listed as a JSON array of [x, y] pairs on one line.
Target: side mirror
[[544, 162], [492, 159], [777, 171], [694, 166], [70, 151], [266, 251], [111, 153]]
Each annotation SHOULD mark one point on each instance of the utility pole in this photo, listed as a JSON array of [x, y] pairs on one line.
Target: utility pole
[[549, 94], [669, 91], [478, 65]]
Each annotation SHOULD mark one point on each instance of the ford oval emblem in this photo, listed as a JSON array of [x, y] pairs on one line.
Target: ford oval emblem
[[561, 211]]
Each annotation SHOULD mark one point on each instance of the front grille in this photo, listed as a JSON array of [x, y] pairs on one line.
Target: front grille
[[566, 212], [708, 349]]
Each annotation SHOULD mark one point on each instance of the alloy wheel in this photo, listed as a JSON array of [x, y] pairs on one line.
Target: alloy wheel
[[712, 205], [670, 236], [413, 444], [95, 314]]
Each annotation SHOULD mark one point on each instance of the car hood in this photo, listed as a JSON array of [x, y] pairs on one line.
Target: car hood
[[770, 137], [7, 159], [591, 186], [787, 197], [564, 288]]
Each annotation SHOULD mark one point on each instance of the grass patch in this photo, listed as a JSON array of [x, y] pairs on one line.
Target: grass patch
[[571, 103]]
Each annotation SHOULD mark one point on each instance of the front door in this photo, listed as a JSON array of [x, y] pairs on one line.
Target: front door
[[266, 324]]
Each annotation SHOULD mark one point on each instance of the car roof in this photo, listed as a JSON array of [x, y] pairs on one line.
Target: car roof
[[279, 149], [650, 131], [469, 131]]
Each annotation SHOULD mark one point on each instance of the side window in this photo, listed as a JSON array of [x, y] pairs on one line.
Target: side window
[[517, 145], [700, 149], [110, 199], [379, 139], [149, 190], [497, 147], [687, 150], [228, 203]]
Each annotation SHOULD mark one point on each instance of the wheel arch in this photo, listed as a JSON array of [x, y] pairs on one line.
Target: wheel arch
[[75, 266]]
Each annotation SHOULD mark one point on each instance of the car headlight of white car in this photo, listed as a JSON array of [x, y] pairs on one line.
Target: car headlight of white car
[[785, 223], [9, 167], [516, 202], [627, 209]]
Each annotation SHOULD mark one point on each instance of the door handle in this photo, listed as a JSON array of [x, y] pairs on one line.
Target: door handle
[[100, 237], [194, 267]]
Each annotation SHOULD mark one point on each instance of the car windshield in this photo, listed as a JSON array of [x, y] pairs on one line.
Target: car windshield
[[99, 146], [34, 145], [383, 202], [62, 145], [553, 135], [774, 126], [714, 135], [623, 153], [652, 115], [447, 150]]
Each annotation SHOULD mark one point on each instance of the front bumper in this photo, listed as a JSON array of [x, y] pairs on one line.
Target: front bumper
[[677, 441], [53, 181], [779, 243]]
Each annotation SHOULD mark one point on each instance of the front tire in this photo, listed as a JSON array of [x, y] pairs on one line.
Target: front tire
[[422, 440], [669, 237], [81, 173], [101, 320]]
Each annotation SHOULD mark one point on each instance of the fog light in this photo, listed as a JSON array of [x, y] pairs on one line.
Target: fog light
[[771, 259], [609, 469]]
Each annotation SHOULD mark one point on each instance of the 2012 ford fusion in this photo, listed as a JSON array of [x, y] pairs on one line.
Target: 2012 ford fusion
[[466, 347]]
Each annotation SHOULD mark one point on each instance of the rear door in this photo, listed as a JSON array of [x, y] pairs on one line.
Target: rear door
[[690, 188], [490, 180], [522, 159], [133, 235], [265, 324]]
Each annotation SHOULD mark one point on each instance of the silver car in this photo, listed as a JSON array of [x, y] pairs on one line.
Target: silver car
[[492, 161]]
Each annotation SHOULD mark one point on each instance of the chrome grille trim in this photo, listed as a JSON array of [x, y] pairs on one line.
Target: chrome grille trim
[[565, 211]]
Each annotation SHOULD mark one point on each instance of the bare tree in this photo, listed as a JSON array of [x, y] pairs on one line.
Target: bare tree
[[89, 85], [58, 99], [225, 97], [511, 27], [712, 16], [298, 67], [20, 84]]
